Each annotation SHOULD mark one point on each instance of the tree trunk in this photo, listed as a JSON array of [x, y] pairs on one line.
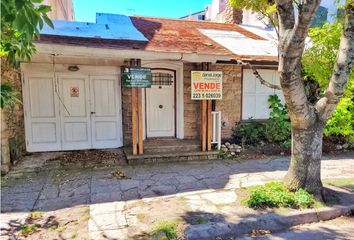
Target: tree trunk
[[305, 166]]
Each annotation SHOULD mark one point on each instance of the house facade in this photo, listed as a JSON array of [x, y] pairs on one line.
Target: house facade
[[99, 114], [73, 97]]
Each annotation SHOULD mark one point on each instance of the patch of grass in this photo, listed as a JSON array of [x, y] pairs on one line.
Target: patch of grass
[[182, 199], [36, 214], [60, 229], [220, 206], [275, 194], [74, 235], [28, 229], [169, 228], [140, 216], [86, 214], [200, 220], [137, 203], [347, 183]]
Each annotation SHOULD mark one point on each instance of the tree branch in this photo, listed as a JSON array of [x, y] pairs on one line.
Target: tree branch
[[307, 11], [258, 76], [342, 68], [286, 16]]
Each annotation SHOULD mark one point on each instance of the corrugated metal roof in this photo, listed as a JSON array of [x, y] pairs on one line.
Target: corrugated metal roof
[[240, 44], [163, 35], [107, 26]]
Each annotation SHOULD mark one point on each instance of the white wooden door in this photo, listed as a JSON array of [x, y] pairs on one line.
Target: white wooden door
[[105, 118], [160, 105], [42, 125], [75, 112]]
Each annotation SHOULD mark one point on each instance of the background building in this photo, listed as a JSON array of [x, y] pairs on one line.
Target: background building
[[61, 9]]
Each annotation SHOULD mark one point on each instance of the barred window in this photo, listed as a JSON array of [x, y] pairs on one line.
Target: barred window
[[162, 79]]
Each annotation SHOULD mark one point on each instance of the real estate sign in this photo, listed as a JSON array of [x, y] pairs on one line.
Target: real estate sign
[[206, 85], [136, 77]]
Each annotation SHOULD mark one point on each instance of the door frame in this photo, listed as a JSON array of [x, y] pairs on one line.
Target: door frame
[[174, 102], [176, 66]]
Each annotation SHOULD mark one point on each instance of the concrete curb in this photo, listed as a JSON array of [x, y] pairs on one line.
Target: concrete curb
[[272, 222]]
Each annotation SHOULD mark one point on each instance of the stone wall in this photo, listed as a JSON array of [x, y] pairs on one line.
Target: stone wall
[[230, 105], [12, 122], [192, 108], [127, 116]]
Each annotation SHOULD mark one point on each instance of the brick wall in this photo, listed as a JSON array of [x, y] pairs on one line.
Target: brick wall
[[230, 105], [12, 122], [192, 108], [127, 116]]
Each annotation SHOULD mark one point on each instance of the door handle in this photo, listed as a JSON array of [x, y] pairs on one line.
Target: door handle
[[160, 106], [93, 112]]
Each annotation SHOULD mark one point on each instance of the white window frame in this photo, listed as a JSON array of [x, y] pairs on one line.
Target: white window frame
[[255, 95]]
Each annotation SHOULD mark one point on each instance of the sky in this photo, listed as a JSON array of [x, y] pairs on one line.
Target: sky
[[85, 10]]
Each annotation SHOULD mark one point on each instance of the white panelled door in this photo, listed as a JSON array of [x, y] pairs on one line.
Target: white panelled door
[[72, 112], [41, 113], [75, 112], [104, 112], [160, 105]]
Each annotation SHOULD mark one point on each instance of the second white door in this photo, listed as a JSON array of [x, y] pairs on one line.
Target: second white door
[[160, 105], [89, 115]]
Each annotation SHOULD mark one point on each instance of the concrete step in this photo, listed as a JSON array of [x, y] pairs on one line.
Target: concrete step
[[158, 146], [169, 149], [148, 158]]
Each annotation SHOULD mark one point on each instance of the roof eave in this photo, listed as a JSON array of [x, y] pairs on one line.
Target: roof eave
[[87, 51]]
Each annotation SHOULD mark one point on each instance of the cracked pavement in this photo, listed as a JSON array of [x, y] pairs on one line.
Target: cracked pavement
[[52, 188]]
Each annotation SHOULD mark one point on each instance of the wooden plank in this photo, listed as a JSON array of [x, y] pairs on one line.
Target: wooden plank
[[140, 121], [134, 143], [204, 124], [209, 128]]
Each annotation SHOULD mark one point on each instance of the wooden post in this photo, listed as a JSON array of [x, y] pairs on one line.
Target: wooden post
[[134, 143], [209, 129], [140, 121], [137, 120], [204, 124]]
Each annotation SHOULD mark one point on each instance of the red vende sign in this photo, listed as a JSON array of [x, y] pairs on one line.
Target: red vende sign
[[206, 85]]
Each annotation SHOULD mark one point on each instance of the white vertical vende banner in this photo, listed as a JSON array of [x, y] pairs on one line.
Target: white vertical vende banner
[[206, 85]]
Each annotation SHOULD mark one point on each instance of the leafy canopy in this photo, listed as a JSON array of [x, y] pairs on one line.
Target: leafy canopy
[[318, 62], [266, 8], [21, 21]]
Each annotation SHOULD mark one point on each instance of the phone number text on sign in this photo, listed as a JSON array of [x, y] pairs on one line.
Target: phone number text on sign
[[206, 85]]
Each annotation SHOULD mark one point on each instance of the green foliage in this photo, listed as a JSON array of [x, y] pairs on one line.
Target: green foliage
[[248, 133], [168, 228], [304, 199], [277, 129], [20, 24], [27, 229], [266, 8], [8, 96], [318, 62], [275, 194], [222, 154]]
